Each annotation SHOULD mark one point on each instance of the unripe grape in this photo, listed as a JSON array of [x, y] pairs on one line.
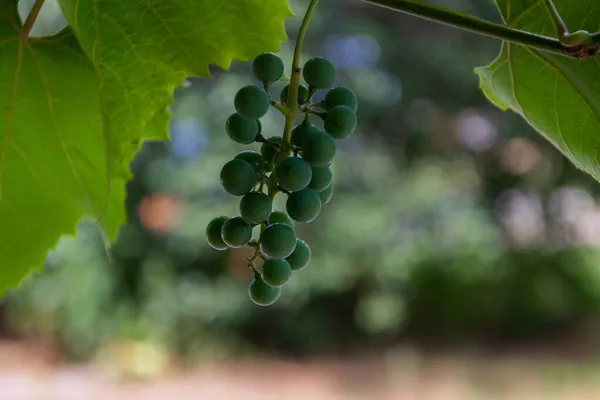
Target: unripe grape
[[253, 157], [303, 206], [280, 216], [241, 129], [277, 240], [340, 96], [267, 67], [326, 195], [300, 132], [276, 272], [236, 232], [238, 177], [262, 294], [255, 207], [302, 94], [340, 122], [321, 178], [213, 233], [319, 72], [252, 102], [300, 256], [293, 174], [268, 151], [318, 148]]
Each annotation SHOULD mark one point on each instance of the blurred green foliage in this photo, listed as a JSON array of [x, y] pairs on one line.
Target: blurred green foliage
[[449, 217]]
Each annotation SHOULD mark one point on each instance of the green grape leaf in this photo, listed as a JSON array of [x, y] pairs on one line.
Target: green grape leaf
[[143, 49], [53, 152], [558, 96]]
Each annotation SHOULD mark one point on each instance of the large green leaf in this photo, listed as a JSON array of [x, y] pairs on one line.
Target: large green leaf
[[558, 96], [142, 49], [69, 127], [53, 163]]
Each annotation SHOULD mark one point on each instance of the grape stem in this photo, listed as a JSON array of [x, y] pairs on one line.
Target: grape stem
[[31, 18], [292, 110]]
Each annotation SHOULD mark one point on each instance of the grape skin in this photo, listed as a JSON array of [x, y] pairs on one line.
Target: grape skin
[[293, 174], [277, 240], [304, 206], [255, 207], [238, 177], [276, 272], [213, 233], [236, 232], [267, 67], [262, 294]]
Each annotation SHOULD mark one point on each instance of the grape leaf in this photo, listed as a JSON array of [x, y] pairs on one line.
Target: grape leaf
[[53, 159], [142, 49], [558, 96]]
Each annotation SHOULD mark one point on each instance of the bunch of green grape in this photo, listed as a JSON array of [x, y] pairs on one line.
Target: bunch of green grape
[[296, 163]]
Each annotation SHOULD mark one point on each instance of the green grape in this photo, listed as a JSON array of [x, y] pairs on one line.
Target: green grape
[[236, 232], [213, 233], [326, 195], [262, 294], [321, 178], [300, 257], [300, 132], [302, 94], [267, 67], [241, 129], [238, 177], [293, 174], [276, 273], [253, 157], [340, 121], [280, 216], [270, 152], [277, 240], [255, 207], [318, 148], [340, 96], [319, 72], [252, 102], [303, 206]]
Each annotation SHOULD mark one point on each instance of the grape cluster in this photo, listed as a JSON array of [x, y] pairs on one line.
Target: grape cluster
[[297, 164]]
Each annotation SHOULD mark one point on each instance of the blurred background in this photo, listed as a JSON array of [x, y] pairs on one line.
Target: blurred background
[[458, 259]]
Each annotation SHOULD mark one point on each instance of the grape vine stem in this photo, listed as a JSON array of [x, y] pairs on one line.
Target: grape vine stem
[[292, 111], [483, 27], [31, 18]]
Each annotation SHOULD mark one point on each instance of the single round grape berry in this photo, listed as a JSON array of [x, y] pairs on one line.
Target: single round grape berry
[[340, 96], [255, 207], [280, 216], [326, 195], [300, 132], [241, 129], [213, 233], [253, 157], [277, 240], [252, 102], [321, 178], [276, 273], [268, 151], [293, 174], [318, 148], [340, 122], [262, 294], [267, 67], [300, 257], [302, 94], [319, 72], [238, 177], [236, 232], [303, 206]]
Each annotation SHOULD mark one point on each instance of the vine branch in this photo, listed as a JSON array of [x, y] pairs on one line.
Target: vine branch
[[483, 27], [31, 18]]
